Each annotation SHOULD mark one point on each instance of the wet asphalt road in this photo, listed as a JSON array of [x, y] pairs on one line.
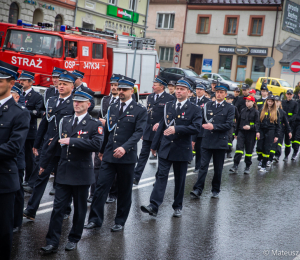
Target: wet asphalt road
[[256, 217]]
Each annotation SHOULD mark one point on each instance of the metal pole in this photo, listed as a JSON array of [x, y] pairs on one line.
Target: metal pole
[[294, 81], [133, 62]]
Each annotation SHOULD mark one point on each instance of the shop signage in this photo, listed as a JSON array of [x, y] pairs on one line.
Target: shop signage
[[291, 18], [49, 7], [122, 13], [241, 50], [207, 65]]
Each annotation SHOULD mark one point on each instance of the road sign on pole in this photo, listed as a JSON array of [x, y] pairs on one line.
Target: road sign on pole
[[295, 66], [269, 62], [177, 47], [176, 59]]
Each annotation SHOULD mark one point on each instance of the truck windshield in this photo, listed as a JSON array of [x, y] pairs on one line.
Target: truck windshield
[[34, 42]]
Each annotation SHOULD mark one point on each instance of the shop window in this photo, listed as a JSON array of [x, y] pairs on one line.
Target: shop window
[[241, 68], [165, 21], [256, 25], [97, 51], [203, 24], [112, 2], [132, 5], [13, 15], [166, 54], [258, 68], [58, 22], [231, 24], [225, 65], [38, 16]]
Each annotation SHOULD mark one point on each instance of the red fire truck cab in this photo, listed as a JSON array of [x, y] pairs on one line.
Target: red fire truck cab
[[38, 49]]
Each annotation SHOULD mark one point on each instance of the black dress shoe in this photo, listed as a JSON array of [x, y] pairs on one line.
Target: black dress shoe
[[90, 199], [70, 246], [66, 216], [116, 228], [52, 192], [49, 249], [135, 182], [27, 215], [28, 189], [25, 183], [195, 194], [91, 225], [215, 195], [177, 213], [110, 200], [16, 229], [149, 209]]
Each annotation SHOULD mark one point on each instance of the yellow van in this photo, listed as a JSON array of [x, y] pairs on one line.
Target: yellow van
[[277, 86]]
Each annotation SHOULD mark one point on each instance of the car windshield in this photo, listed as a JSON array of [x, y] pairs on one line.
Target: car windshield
[[34, 42], [284, 84], [191, 73], [225, 77]]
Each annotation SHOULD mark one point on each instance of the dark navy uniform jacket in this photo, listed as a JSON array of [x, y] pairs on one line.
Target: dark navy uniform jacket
[[178, 147], [50, 92], [127, 132], [89, 91], [21, 155], [222, 121], [155, 113], [76, 164], [34, 104], [14, 126], [47, 129], [105, 105], [203, 101]]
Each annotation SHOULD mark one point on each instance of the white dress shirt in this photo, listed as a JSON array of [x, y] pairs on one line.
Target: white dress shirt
[[27, 91], [64, 99], [126, 104], [79, 118], [4, 100]]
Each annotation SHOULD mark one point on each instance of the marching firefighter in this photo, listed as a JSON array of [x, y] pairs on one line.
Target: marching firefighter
[[264, 94]]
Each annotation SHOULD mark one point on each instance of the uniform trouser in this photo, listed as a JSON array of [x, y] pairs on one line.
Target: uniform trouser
[[296, 137], [40, 186], [230, 139], [105, 180], [113, 192], [245, 141], [264, 145], [158, 192], [279, 143], [29, 159], [19, 202], [63, 194], [287, 141], [93, 186], [218, 161], [198, 152], [7, 201], [143, 158]]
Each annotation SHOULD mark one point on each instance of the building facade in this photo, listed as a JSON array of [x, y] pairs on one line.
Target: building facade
[[166, 24], [56, 12], [124, 17]]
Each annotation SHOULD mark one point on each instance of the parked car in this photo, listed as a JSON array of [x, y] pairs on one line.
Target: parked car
[[277, 86], [177, 73], [223, 79]]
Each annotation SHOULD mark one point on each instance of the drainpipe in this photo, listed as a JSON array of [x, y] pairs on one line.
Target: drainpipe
[[75, 12], [146, 18], [183, 36], [273, 39]]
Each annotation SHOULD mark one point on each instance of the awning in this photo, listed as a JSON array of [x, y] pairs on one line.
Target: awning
[[290, 49]]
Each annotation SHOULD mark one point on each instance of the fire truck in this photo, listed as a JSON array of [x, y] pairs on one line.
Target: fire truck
[[99, 54]]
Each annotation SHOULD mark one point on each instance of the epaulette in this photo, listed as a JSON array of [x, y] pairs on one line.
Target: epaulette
[[141, 105], [171, 101], [94, 119], [20, 106]]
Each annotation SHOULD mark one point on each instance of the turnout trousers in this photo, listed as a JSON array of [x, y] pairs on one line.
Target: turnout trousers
[[245, 142], [264, 145]]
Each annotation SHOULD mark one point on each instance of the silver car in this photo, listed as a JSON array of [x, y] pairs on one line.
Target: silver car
[[222, 79]]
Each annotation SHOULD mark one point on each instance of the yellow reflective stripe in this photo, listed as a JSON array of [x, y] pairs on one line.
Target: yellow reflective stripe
[[280, 144], [260, 103], [239, 151], [251, 123], [290, 114], [249, 155], [272, 151], [287, 145], [297, 142], [194, 152], [267, 113], [233, 133], [230, 144], [265, 155], [259, 152]]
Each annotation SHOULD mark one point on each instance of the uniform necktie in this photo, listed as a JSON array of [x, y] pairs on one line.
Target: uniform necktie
[[24, 93], [60, 101], [199, 102], [113, 100], [218, 105], [157, 96], [178, 107], [121, 109], [75, 123]]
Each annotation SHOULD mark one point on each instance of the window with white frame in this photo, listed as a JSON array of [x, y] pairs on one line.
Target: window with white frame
[[132, 4], [165, 21], [166, 53], [112, 2], [90, 5]]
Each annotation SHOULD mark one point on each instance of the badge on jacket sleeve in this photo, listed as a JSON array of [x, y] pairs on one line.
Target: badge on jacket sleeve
[[100, 130]]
